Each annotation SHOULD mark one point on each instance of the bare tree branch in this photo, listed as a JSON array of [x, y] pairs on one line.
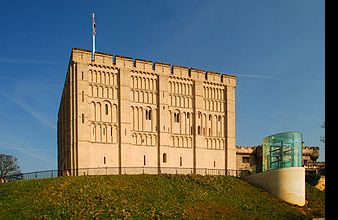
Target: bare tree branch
[[8, 166]]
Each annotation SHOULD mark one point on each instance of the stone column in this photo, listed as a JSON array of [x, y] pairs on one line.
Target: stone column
[[230, 127], [124, 118], [162, 71]]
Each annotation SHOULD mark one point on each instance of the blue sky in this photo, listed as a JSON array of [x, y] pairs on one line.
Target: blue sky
[[275, 48]]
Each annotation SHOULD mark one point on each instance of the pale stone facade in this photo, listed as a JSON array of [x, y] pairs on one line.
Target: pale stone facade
[[123, 112], [246, 157]]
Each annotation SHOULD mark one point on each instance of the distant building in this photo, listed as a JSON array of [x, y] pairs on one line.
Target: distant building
[[249, 157], [124, 112]]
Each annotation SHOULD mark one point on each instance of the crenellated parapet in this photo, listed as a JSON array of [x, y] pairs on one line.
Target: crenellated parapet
[[84, 56], [308, 150], [213, 78], [245, 150]]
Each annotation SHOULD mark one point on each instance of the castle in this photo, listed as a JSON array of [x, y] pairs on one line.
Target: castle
[[117, 111]]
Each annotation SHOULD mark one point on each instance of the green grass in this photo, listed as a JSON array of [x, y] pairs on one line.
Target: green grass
[[149, 196]]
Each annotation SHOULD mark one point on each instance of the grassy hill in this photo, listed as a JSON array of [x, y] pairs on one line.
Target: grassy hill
[[149, 196]]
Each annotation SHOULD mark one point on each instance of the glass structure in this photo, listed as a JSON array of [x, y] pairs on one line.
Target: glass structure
[[282, 150]]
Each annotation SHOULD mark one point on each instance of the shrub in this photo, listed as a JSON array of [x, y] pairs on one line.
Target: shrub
[[312, 179]]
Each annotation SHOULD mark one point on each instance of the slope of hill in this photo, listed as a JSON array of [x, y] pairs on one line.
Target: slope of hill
[[149, 196]]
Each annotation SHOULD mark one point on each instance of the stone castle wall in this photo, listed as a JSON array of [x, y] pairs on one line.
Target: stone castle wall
[[124, 112]]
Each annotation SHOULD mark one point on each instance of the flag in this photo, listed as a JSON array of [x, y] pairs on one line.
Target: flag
[[94, 25]]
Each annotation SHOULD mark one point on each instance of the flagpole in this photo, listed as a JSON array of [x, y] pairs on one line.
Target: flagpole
[[93, 34]]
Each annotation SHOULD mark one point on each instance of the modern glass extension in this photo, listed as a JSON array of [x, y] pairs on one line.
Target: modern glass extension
[[282, 150]]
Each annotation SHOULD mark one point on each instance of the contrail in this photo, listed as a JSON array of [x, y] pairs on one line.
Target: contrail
[[24, 61], [35, 114], [27, 151], [256, 76]]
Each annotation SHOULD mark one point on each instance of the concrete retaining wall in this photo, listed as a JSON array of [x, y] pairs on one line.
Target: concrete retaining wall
[[288, 184]]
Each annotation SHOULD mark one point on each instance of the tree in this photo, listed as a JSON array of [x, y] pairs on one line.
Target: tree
[[8, 166]]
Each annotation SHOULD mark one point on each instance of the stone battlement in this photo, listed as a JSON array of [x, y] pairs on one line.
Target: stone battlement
[[310, 148], [245, 149], [136, 64]]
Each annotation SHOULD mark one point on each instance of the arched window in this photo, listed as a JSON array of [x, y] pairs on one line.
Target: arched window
[[106, 108], [164, 158], [178, 117], [148, 114]]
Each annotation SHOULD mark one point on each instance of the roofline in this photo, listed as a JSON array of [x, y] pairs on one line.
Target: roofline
[[160, 63]]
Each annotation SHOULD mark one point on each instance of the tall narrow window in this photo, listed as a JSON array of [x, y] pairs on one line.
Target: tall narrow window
[[180, 161], [106, 107], [199, 130], [178, 117], [82, 96], [82, 75], [164, 158], [144, 160], [82, 117], [104, 160], [214, 163], [149, 115]]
